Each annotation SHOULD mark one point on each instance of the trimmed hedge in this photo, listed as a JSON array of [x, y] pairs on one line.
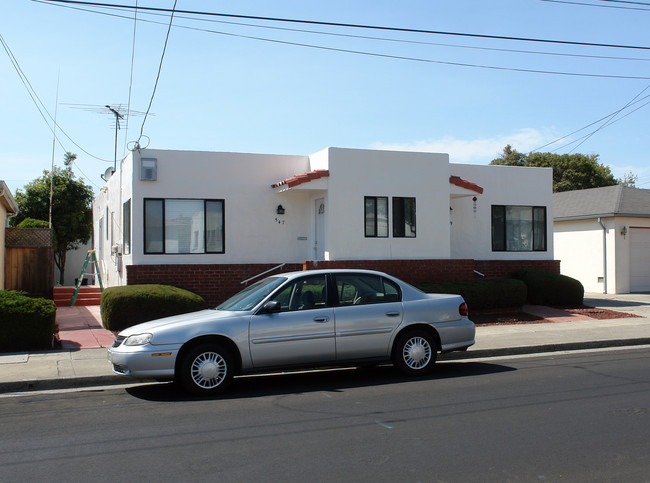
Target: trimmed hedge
[[128, 305], [548, 288], [487, 294], [25, 323]]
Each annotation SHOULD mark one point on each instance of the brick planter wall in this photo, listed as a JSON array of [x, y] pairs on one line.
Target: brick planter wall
[[216, 282]]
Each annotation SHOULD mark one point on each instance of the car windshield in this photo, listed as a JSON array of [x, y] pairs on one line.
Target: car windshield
[[253, 295]]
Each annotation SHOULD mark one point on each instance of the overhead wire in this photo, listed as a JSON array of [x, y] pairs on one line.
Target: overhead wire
[[34, 96], [351, 25], [388, 56], [338, 34], [128, 106], [162, 57], [589, 125], [584, 4], [611, 119]]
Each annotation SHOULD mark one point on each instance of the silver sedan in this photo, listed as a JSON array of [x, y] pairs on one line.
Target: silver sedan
[[298, 319]]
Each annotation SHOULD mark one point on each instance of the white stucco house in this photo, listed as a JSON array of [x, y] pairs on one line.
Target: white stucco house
[[602, 238], [211, 220]]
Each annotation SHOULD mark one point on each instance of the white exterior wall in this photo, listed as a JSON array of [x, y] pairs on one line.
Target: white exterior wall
[[471, 229], [579, 246], [355, 174], [253, 232]]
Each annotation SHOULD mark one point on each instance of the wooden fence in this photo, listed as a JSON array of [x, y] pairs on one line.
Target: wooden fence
[[29, 261]]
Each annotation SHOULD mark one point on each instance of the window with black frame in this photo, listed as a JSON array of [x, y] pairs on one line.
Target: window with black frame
[[403, 217], [376, 216], [518, 228], [183, 226]]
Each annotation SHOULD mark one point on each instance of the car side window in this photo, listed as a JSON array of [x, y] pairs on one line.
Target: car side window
[[354, 289], [303, 294]]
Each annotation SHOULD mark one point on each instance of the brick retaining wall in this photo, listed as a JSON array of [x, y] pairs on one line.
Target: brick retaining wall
[[217, 282]]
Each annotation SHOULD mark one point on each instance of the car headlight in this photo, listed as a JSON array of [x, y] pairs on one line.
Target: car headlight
[[138, 339]]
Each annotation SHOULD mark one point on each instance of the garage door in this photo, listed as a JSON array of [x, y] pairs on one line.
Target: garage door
[[640, 259]]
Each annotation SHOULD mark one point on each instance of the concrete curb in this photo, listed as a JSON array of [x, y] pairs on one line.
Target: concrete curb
[[569, 346], [67, 383], [109, 380]]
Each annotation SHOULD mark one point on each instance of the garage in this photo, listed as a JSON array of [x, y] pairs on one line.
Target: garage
[[640, 259]]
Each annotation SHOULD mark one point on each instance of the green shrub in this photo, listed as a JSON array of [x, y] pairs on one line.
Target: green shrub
[[122, 307], [548, 288], [32, 223], [25, 323], [487, 294]]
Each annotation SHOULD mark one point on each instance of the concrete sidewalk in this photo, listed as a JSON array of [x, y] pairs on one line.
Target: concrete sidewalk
[[83, 362]]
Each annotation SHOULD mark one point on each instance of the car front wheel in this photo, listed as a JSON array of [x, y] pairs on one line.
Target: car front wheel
[[206, 369], [415, 352]]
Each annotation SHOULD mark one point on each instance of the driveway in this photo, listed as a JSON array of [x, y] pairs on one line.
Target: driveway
[[633, 303]]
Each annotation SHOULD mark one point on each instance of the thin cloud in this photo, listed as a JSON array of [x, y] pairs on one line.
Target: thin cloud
[[473, 150]]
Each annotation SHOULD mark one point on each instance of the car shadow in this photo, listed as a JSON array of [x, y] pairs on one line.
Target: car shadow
[[329, 380]]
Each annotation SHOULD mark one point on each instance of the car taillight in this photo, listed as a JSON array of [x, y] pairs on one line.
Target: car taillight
[[463, 310]]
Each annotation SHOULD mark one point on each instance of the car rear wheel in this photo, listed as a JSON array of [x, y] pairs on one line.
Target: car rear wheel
[[415, 352], [206, 369]]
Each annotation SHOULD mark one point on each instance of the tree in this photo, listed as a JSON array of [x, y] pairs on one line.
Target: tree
[[71, 209], [570, 171]]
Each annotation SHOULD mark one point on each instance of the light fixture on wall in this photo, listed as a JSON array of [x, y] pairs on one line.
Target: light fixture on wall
[[279, 210], [624, 231]]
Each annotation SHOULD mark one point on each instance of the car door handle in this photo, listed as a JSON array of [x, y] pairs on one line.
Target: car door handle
[[321, 319], [392, 314]]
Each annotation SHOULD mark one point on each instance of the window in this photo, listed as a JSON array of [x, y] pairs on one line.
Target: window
[[355, 289], [518, 228], [183, 226], [376, 216], [403, 217], [126, 227], [303, 294]]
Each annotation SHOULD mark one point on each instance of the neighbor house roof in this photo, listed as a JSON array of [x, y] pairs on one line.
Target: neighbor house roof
[[618, 200], [7, 199]]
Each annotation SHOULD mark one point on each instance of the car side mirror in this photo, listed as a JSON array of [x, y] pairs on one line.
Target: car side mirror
[[271, 307]]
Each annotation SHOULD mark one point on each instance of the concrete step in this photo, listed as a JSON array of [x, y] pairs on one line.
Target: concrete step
[[88, 295]]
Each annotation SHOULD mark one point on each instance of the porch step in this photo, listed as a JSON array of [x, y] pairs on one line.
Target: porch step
[[88, 295]]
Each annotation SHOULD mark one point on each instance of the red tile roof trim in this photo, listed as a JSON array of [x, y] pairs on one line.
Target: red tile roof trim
[[299, 179], [463, 183]]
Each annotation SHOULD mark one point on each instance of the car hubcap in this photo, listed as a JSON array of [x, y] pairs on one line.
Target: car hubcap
[[417, 352], [209, 370]]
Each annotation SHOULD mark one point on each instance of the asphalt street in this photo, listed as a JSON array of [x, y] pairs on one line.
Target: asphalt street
[[566, 416]]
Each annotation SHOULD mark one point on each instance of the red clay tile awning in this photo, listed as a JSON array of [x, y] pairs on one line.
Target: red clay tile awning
[[463, 183], [299, 179]]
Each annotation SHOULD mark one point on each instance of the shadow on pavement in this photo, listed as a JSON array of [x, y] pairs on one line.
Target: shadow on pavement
[[616, 304], [333, 380]]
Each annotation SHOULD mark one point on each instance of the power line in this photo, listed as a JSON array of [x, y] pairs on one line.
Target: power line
[[591, 124], [128, 105], [583, 4], [34, 96], [389, 56], [348, 25], [352, 36], [162, 57]]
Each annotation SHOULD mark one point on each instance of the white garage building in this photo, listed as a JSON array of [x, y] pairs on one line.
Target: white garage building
[[602, 237]]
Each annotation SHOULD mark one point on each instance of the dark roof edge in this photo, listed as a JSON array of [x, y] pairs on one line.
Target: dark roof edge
[[602, 215]]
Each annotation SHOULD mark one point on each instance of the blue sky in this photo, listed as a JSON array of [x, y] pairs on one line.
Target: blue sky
[[251, 88]]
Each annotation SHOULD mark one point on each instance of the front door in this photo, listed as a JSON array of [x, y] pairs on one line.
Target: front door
[[319, 235]]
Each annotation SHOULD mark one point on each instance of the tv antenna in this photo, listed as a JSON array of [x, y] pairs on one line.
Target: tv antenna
[[118, 111]]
